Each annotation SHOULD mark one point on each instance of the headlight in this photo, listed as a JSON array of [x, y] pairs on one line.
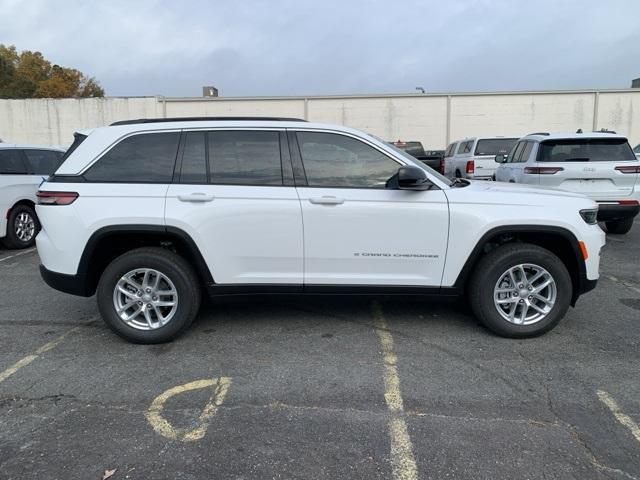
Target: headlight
[[590, 215]]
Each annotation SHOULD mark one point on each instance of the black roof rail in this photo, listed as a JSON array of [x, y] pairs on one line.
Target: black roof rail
[[205, 119], [546, 134], [604, 130]]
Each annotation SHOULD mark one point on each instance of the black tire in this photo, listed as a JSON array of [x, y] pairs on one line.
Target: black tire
[[12, 240], [170, 264], [489, 270], [619, 227]]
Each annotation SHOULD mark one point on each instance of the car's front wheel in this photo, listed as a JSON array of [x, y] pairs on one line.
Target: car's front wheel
[[619, 227], [148, 295], [520, 290]]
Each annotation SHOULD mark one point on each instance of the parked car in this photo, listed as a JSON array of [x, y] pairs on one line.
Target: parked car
[[22, 169], [450, 151], [474, 158], [599, 165], [146, 212], [431, 158]]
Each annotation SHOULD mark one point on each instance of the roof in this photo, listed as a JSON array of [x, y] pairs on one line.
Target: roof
[[205, 119], [571, 135]]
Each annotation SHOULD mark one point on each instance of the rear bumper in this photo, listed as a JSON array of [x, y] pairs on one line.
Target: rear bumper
[[610, 211], [73, 284]]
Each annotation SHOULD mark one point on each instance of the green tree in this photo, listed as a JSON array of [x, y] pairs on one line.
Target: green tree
[[29, 75]]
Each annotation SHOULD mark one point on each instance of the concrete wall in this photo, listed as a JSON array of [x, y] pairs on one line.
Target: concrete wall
[[434, 119]]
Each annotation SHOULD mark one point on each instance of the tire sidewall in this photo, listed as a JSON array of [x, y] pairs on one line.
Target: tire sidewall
[[126, 263], [549, 262]]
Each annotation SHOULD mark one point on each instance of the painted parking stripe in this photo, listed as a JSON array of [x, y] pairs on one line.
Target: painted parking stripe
[[626, 284], [403, 463], [622, 417], [30, 358], [23, 252], [162, 426]]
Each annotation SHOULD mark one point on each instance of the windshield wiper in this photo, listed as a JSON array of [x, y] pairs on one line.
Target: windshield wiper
[[577, 159]]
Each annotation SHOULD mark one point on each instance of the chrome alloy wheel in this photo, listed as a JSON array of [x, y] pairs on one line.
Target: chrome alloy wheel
[[145, 299], [525, 294], [25, 227]]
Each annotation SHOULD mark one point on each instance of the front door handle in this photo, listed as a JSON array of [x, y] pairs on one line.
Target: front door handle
[[196, 197], [327, 200]]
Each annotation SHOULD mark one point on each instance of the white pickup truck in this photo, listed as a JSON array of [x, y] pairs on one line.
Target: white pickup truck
[[474, 158]]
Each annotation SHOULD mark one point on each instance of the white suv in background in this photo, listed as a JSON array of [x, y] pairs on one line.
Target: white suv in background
[[22, 170], [474, 158], [600, 165], [145, 213]]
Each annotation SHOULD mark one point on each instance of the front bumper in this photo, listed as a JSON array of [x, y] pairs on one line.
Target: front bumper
[[614, 211], [73, 284]]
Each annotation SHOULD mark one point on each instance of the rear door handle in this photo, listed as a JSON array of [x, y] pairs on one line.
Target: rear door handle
[[196, 197], [327, 200]]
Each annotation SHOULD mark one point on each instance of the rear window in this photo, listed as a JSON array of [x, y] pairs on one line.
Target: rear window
[[42, 162], [585, 150], [495, 146]]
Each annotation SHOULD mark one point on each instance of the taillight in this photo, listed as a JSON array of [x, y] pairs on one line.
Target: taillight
[[471, 167], [56, 198], [543, 170], [629, 169], [442, 165], [628, 202]]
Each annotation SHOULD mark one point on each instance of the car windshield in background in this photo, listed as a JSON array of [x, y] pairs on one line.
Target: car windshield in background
[[495, 146], [585, 150]]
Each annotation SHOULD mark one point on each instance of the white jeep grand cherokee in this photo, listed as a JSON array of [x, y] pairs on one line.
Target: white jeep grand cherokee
[[145, 212]]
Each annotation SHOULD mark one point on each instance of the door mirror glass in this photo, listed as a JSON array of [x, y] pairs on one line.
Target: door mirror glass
[[413, 178], [500, 158]]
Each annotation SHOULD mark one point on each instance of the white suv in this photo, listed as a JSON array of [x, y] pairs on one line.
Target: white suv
[[600, 165], [143, 213], [474, 158], [22, 170]]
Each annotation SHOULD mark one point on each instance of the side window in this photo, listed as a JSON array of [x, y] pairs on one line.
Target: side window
[[244, 158], [526, 152], [194, 159], [42, 162], [517, 152], [450, 150], [143, 158], [11, 162], [332, 160], [465, 147]]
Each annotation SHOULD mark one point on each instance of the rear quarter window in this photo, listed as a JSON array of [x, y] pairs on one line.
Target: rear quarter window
[[42, 162], [141, 158]]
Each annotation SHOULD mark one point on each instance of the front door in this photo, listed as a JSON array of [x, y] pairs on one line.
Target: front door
[[357, 232]]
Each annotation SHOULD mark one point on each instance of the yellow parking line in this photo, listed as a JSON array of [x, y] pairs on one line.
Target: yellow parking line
[[17, 254], [30, 358], [164, 428], [622, 417], [403, 463]]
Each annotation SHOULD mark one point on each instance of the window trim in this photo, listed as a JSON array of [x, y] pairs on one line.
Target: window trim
[[295, 148]]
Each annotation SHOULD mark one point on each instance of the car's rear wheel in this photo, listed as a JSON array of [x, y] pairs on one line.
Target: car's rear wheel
[[520, 290], [22, 227], [619, 227], [148, 295]]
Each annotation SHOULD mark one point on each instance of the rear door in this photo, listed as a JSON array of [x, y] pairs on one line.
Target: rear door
[[234, 195], [15, 183], [601, 168], [356, 231]]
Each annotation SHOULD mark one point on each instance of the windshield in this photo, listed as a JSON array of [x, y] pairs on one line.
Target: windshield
[[412, 160], [585, 150], [495, 146]]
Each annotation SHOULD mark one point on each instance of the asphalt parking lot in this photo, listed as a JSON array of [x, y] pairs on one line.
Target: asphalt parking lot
[[323, 387]]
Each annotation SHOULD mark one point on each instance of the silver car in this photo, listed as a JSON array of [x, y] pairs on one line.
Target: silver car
[[600, 165]]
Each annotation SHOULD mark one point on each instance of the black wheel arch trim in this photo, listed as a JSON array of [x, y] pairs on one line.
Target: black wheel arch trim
[[580, 282], [84, 266]]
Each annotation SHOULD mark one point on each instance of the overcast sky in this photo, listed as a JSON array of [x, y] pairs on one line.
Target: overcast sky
[[298, 47]]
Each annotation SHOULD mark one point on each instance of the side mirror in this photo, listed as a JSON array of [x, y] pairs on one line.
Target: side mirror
[[413, 178], [500, 158]]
